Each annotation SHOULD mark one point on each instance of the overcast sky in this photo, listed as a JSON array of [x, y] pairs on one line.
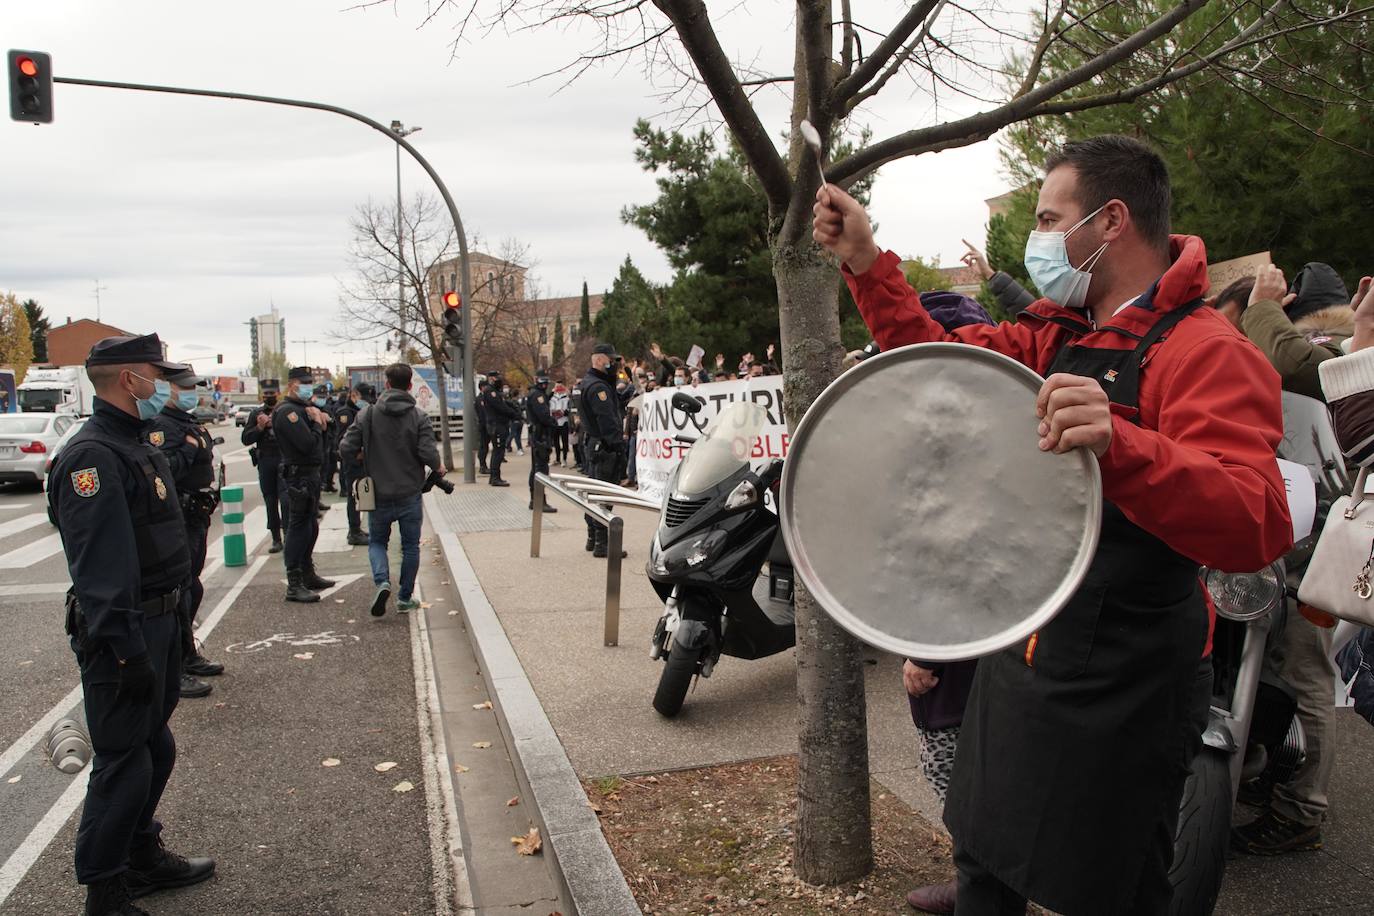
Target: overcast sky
[[195, 214]]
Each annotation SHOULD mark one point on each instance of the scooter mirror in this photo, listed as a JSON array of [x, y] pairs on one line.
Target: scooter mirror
[[686, 403]]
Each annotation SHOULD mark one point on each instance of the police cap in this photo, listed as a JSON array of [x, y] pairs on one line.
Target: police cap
[[606, 349], [119, 351], [269, 384], [186, 377], [300, 374]]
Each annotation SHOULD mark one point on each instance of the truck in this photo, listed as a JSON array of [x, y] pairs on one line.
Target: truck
[[425, 389], [66, 389]]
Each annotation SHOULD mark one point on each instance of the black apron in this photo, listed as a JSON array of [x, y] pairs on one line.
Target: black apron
[[1071, 750]]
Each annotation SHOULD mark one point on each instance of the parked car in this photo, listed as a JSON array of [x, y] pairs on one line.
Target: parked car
[[26, 441], [56, 450], [206, 415]]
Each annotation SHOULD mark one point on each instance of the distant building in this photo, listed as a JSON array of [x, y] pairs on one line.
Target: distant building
[[963, 279], [268, 336], [70, 344], [321, 374], [545, 312], [491, 281]]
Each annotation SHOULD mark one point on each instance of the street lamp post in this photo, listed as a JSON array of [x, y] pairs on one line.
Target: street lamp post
[[400, 130], [305, 350]]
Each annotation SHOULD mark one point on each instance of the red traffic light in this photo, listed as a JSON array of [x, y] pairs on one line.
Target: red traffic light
[[27, 66], [452, 300]]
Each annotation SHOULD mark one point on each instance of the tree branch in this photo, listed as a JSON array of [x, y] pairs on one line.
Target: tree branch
[[847, 49], [1038, 55], [889, 46], [899, 61], [693, 26]]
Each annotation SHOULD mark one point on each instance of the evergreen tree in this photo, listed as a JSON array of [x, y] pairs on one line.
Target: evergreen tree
[[585, 321], [632, 313], [557, 356], [39, 326]]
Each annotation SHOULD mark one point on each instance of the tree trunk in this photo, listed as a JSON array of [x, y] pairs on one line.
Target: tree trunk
[[834, 836]]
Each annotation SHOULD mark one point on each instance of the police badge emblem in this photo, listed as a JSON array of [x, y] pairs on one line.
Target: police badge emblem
[[160, 487], [157, 437], [601, 395], [86, 482]]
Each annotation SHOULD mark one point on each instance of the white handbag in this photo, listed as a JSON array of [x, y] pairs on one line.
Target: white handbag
[[1340, 576], [363, 498]]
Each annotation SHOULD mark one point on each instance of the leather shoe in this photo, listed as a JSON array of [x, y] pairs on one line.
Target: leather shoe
[[193, 688], [547, 507], [313, 580], [276, 546], [498, 482], [200, 666], [357, 538], [167, 871], [591, 543], [934, 898]]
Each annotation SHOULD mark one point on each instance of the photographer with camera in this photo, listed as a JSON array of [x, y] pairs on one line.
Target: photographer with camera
[[398, 447]]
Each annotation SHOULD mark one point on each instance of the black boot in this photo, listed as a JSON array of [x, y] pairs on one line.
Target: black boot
[[198, 665], [313, 580], [591, 542], [357, 538], [296, 590], [111, 898], [276, 543], [154, 869], [547, 507], [601, 550], [193, 688], [498, 482]]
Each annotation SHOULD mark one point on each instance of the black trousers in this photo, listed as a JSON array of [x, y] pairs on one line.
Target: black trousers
[[331, 463], [560, 442], [197, 534], [348, 472], [603, 464], [273, 494], [134, 752], [483, 443], [541, 446], [498, 451], [303, 524]]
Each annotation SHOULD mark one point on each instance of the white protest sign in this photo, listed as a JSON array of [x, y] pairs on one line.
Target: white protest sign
[[694, 356], [1302, 497], [657, 453]]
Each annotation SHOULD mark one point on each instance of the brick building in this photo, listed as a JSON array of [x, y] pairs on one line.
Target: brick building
[[70, 343]]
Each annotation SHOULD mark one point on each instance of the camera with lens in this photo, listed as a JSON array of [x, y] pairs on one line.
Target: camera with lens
[[435, 480]]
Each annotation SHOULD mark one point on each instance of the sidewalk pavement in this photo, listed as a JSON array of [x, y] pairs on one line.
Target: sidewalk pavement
[[537, 624]]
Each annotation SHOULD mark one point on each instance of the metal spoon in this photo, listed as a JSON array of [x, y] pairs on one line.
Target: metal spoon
[[813, 140]]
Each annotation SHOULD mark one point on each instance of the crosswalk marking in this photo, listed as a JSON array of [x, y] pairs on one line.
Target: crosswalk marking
[[22, 523], [41, 588], [32, 553]]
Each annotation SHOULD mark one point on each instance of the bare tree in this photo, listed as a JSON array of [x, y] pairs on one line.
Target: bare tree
[[955, 53]]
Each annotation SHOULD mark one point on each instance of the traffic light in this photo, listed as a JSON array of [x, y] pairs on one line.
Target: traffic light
[[219, 358], [30, 74], [453, 318]]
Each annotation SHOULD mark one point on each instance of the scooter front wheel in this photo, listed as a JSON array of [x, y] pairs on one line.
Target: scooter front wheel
[[676, 679], [1204, 828]]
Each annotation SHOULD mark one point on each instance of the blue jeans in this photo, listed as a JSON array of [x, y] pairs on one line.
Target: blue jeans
[[410, 514]]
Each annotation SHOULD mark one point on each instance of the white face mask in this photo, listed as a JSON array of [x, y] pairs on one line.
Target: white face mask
[[1047, 263]]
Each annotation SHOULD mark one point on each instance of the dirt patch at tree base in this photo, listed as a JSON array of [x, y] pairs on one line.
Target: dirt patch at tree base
[[719, 840]]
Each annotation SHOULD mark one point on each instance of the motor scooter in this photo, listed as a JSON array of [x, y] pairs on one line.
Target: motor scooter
[[715, 533]]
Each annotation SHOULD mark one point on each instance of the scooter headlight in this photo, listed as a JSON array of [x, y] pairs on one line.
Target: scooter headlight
[[1246, 596], [742, 496]]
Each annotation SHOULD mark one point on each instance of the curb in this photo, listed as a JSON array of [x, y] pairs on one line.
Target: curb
[[590, 880]]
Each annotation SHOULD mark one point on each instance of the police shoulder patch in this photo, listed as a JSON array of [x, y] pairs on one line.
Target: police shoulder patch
[[157, 437], [343, 419], [86, 482], [160, 488], [540, 399], [293, 416], [601, 395]]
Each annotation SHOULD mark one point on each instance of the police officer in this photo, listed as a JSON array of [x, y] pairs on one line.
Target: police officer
[[300, 426], [117, 513], [262, 442], [330, 405], [189, 451], [543, 429], [483, 437], [499, 414], [350, 465], [603, 432]]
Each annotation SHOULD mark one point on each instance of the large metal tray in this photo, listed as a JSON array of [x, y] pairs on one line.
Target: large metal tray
[[921, 513]]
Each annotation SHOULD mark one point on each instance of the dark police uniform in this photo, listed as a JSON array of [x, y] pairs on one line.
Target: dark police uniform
[[331, 444], [349, 468], [603, 438], [483, 437], [499, 414], [543, 429], [267, 459], [193, 472], [122, 532], [301, 441]]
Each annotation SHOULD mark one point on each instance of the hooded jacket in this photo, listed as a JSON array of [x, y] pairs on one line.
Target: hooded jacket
[[1194, 465], [398, 445], [1296, 346]]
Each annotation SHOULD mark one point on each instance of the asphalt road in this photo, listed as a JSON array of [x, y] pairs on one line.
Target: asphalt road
[[305, 684]]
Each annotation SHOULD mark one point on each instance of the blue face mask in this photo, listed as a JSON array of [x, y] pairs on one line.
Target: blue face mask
[[186, 400], [305, 391], [152, 405], [318, 402], [1047, 263]]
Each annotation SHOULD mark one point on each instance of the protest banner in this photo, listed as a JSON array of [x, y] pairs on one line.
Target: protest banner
[[657, 453], [1223, 273]]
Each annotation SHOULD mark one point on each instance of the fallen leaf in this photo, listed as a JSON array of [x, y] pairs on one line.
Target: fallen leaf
[[351, 620], [330, 762], [304, 656], [340, 600], [513, 802], [528, 844], [29, 662], [221, 705], [404, 785], [453, 613], [486, 705], [425, 605], [481, 745], [383, 767], [13, 779], [459, 768]]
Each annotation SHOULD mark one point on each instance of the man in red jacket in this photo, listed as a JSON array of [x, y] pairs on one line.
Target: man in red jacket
[[1076, 744]]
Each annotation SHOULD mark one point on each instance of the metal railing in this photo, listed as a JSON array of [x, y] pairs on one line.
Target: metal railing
[[605, 495]]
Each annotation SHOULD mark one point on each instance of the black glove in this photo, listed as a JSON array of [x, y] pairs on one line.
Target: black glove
[[137, 680]]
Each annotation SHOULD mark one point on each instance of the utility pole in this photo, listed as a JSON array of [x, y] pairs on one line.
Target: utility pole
[[400, 130], [305, 350], [98, 289]]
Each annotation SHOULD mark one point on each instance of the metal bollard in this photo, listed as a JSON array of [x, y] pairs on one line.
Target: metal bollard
[[231, 508], [69, 747]]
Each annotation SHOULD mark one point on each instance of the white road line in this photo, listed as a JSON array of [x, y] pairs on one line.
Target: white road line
[[4, 507], [19, 863], [32, 553], [341, 582], [253, 534], [22, 523], [42, 588], [445, 835]]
